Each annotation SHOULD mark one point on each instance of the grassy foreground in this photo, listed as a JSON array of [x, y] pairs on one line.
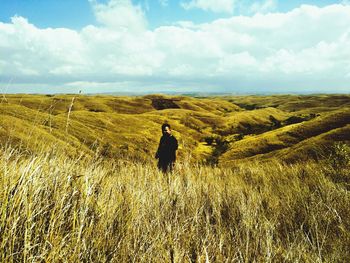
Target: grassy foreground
[[57, 209]]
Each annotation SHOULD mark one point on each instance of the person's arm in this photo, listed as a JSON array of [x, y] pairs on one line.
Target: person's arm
[[175, 144], [157, 153]]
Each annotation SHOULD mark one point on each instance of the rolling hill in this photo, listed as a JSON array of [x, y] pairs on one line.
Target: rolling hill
[[219, 130]]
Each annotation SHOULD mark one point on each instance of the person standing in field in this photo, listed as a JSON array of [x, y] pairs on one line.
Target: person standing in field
[[166, 153]]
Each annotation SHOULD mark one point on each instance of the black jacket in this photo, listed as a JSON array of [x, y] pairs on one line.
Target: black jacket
[[167, 149]]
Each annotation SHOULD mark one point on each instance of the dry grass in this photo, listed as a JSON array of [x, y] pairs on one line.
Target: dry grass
[[295, 141], [59, 209], [298, 104], [131, 125], [91, 193]]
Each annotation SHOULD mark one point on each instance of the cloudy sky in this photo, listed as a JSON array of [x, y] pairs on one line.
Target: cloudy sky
[[233, 46]]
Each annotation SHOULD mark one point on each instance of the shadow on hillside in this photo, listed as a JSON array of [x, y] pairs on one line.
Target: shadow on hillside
[[162, 104]]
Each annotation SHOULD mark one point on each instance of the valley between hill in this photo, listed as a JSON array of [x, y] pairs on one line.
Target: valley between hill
[[219, 130]]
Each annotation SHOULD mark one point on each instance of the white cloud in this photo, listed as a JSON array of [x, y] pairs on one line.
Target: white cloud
[[264, 6], [306, 46], [120, 15], [229, 6], [216, 6], [28, 50]]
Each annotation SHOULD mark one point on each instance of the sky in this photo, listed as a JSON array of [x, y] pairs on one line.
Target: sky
[[151, 46]]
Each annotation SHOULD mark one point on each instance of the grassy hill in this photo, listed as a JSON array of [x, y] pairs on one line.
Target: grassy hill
[[79, 182], [296, 141], [210, 129]]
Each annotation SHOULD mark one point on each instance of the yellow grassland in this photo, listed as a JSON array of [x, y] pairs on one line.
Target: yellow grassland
[[54, 208], [79, 183], [323, 130], [131, 125]]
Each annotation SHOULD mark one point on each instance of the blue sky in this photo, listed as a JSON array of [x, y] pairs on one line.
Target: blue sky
[[190, 45]]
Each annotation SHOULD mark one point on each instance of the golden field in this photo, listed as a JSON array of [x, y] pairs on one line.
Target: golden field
[[220, 130], [258, 179]]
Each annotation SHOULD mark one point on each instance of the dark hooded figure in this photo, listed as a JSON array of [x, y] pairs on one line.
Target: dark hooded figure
[[166, 153]]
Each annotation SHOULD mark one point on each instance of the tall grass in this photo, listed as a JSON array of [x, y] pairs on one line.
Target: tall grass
[[57, 209]]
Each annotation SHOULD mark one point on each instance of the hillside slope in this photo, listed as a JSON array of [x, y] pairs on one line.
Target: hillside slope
[[291, 142], [219, 129]]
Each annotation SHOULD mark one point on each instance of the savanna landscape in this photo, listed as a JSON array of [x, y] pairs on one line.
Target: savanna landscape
[[257, 179]]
